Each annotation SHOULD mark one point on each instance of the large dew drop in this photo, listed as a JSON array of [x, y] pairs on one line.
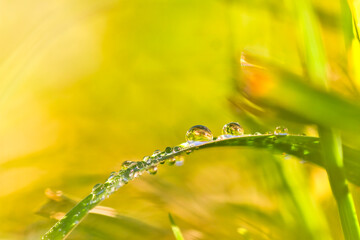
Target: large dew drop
[[233, 129], [198, 133], [281, 131], [168, 150]]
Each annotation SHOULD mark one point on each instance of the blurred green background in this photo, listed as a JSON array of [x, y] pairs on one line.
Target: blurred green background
[[86, 85]]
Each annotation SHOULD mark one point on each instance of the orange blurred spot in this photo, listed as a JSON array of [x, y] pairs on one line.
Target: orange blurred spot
[[259, 82]]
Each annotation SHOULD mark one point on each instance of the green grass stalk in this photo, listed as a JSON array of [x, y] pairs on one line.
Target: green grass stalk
[[330, 138], [176, 230], [280, 143]]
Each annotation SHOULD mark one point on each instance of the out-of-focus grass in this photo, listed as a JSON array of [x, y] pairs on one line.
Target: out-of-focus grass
[[176, 230], [87, 85]]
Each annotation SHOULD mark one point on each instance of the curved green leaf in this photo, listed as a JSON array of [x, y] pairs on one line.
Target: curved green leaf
[[303, 147]]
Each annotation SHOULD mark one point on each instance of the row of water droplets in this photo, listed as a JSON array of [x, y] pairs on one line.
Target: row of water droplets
[[201, 133], [195, 136]]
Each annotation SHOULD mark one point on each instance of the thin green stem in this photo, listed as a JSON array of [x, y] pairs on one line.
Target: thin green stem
[[331, 140], [332, 148], [176, 230], [309, 215]]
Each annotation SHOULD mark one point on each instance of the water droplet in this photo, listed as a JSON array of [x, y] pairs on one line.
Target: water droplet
[[156, 152], [168, 150], [129, 173], [140, 165], [198, 133], [153, 170], [127, 164], [281, 131], [257, 134], [171, 161], [152, 160], [98, 190], [147, 160], [112, 175], [177, 148], [233, 129], [136, 174], [269, 133], [96, 186]]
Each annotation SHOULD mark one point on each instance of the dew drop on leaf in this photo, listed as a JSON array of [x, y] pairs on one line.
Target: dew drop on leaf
[[140, 165], [168, 150], [156, 152], [112, 175], [171, 161], [127, 164], [177, 149], [257, 134], [198, 133], [153, 170], [280, 130], [233, 129], [96, 186]]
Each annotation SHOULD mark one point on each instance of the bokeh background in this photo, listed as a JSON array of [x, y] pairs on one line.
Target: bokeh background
[[86, 85]]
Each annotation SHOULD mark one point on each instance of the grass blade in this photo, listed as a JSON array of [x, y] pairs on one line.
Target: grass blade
[[175, 229], [290, 96], [331, 140], [304, 147]]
